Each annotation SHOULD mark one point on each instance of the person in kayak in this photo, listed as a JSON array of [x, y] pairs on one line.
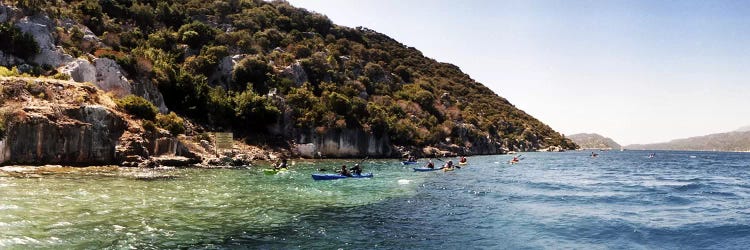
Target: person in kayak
[[430, 165], [515, 159], [448, 165], [411, 159], [344, 171], [463, 159], [356, 169], [281, 165]]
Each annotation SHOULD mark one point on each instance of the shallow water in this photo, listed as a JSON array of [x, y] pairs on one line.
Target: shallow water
[[548, 200]]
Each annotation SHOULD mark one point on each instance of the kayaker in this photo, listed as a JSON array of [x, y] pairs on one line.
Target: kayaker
[[411, 159], [515, 159], [463, 159], [448, 164], [344, 171], [281, 165], [430, 164], [356, 169]]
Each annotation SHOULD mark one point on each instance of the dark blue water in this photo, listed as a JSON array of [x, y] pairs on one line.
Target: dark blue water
[[620, 200]]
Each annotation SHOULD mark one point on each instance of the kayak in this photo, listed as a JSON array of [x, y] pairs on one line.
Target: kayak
[[425, 169], [271, 171], [448, 169], [463, 163], [409, 162], [319, 177]]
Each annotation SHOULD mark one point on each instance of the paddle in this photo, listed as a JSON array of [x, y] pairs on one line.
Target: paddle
[[360, 162]]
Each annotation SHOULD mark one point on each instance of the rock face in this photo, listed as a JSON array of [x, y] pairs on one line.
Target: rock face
[[87, 136], [80, 70], [109, 77], [70, 123], [296, 73], [6, 12], [223, 74], [41, 28], [149, 91], [8, 59], [340, 143]]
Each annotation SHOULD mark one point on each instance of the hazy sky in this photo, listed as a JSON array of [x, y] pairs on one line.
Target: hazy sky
[[635, 71]]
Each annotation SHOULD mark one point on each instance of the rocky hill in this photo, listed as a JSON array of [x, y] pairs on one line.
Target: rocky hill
[[272, 74], [743, 129], [731, 141], [594, 141]]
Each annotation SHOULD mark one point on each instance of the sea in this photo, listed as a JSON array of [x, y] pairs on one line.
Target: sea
[[568, 200]]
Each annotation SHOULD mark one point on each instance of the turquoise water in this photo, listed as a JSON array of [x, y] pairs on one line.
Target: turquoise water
[[676, 200]]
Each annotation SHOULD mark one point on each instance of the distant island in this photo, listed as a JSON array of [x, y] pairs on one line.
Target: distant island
[[736, 141], [594, 141]]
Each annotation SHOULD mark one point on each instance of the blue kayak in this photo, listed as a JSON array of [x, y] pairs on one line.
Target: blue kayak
[[409, 162], [425, 169], [319, 177]]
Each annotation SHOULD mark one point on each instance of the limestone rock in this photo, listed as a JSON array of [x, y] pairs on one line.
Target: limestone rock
[[8, 59], [7, 12], [175, 161], [80, 70], [223, 74], [110, 78], [84, 135], [148, 90], [296, 73], [41, 28], [342, 143]]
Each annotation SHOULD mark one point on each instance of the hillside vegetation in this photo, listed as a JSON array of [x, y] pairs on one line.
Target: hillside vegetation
[[594, 141], [249, 65]]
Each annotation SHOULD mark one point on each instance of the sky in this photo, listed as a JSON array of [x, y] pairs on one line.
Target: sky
[[635, 71]]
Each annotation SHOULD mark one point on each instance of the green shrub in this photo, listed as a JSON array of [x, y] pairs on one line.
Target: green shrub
[[251, 71], [137, 106], [148, 126], [9, 72], [61, 76], [254, 110], [171, 122]]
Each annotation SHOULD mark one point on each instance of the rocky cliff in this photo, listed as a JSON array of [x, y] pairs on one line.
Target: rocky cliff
[[48, 121]]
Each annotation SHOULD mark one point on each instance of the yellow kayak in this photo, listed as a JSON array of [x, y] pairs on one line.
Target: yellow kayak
[[271, 171]]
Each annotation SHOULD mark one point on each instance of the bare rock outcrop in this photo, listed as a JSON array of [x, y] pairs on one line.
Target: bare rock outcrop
[[110, 78], [85, 135], [70, 123], [341, 143], [41, 28], [223, 74], [296, 73], [8, 59], [80, 70]]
